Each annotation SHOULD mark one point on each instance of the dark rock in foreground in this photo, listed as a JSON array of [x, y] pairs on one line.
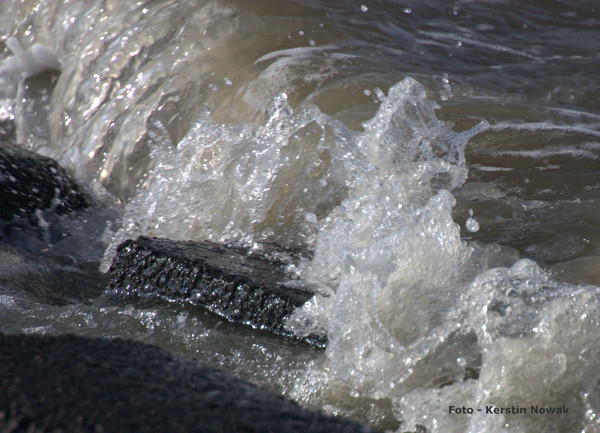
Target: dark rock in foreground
[[30, 183], [240, 288], [74, 384]]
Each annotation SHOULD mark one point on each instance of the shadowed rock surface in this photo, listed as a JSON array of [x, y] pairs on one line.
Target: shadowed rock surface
[[75, 384], [30, 183], [7, 130], [222, 279]]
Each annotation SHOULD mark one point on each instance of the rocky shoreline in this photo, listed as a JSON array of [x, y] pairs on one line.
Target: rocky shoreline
[[77, 384]]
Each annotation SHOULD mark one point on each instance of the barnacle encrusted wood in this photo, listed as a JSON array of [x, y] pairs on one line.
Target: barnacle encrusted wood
[[241, 288]]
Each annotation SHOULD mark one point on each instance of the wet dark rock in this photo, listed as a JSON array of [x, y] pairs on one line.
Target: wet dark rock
[[8, 130], [76, 384], [238, 287], [30, 183]]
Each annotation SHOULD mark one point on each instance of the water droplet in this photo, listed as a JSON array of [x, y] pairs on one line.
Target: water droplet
[[364, 8], [310, 217], [472, 225]]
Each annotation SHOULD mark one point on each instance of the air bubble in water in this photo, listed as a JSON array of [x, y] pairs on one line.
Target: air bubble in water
[[364, 8]]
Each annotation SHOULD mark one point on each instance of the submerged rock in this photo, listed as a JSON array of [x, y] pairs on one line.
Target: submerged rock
[[30, 183], [76, 384], [238, 287], [8, 130]]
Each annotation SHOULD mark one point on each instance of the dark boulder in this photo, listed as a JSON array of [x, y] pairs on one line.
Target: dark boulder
[[75, 384], [225, 280], [30, 183]]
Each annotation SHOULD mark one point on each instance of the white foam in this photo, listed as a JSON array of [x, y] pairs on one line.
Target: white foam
[[399, 308], [27, 64]]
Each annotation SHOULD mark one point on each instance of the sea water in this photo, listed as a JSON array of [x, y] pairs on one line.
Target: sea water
[[437, 163]]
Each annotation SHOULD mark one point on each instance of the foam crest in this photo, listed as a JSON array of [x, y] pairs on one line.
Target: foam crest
[[280, 181], [402, 314], [406, 130], [529, 356], [242, 183], [390, 256], [26, 64]]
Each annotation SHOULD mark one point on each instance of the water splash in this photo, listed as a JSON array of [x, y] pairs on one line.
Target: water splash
[[26, 64], [414, 317]]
